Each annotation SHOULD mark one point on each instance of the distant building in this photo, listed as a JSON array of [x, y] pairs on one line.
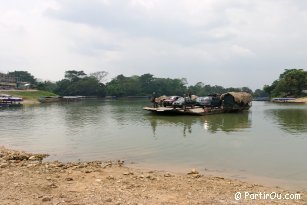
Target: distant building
[[7, 81]]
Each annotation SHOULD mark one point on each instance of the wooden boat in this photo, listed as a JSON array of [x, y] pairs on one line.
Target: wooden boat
[[71, 98], [9, 101], [49, 99], [230, 102], [287, 100], [188, 111]]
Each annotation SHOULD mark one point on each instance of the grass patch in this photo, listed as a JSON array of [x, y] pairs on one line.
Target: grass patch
[[28, 94]]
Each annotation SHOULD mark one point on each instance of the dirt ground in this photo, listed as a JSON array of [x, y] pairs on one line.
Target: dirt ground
[[25, 179], [301, 100]]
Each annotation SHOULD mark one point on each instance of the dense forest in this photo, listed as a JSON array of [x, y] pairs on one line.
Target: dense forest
[[291, 82], [79, 83]]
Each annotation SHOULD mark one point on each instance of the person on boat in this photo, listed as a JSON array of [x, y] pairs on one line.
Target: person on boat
[[190, 95], [153, 100]]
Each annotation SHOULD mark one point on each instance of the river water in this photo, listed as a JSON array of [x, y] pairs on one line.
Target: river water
[[268, 143]]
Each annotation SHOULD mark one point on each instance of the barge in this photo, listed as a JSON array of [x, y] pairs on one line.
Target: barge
[[187, 111], [228, 103]]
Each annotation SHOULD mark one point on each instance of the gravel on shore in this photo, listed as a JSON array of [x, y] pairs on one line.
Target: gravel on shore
[[26, 179]]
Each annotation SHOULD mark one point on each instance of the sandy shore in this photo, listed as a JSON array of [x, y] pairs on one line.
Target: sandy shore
[[301, 100], [25, 179]]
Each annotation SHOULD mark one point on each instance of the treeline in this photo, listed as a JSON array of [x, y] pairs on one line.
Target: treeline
[[147, 84], [79, 83], [290, 83]]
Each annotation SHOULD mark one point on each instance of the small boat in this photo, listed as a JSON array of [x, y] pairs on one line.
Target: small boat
[[49, 99], [287, 100], [71, 98], [9, 101]]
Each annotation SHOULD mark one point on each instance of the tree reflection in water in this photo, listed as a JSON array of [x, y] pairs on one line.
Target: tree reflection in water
[[290, 120], [228, 122]]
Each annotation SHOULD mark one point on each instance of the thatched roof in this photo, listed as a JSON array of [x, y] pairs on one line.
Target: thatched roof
[[239, 97]]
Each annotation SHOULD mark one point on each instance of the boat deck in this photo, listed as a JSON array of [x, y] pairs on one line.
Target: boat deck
[[187, 111]]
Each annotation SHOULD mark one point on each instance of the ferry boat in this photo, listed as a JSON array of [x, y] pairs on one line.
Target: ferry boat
[[225, 103]]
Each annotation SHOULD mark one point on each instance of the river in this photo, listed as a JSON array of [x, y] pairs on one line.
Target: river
[[267, 143]]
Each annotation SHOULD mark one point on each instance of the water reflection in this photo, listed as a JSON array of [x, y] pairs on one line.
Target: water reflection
[[290, 120], [120, 129], [230, 122], [80, 115], [185, 122], [212, 123]]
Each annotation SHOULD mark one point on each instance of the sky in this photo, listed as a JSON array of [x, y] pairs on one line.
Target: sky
[[218, 42]]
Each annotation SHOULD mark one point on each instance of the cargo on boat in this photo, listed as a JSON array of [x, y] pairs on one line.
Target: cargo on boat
[[212, 104]]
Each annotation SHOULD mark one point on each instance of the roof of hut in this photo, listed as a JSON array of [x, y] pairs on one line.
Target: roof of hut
[[239, 97]]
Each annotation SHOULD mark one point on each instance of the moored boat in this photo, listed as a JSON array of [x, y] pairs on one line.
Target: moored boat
[[9, 101], [227, 102], [49, 99], [188, 111], [287, 100]]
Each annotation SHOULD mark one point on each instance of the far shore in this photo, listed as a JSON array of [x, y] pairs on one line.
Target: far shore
[[300, 100], [31, 96], [27, 179]]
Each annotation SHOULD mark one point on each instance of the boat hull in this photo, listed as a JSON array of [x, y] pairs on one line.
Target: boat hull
[[191, 111]]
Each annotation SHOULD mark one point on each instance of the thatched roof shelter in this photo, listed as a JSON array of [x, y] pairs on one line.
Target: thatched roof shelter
[[239, 97]]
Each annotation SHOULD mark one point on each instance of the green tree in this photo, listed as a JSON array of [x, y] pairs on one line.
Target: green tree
[[73, 75], [62, 87], [246, 89], [260, 93], [47, 86], [290, 83], [146, 82], [78, 83], [100, 76]]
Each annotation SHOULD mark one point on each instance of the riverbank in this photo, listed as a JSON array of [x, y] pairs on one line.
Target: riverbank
[[29, 96], [26, 179], [300, 100]]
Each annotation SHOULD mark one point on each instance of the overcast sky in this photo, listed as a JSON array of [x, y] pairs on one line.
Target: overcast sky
[[219, 42]]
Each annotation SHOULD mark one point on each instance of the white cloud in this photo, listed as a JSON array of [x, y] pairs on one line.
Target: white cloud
[[230, 43]]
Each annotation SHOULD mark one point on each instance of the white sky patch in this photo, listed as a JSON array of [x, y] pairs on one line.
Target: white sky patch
[[201, 40], [241, 51]]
